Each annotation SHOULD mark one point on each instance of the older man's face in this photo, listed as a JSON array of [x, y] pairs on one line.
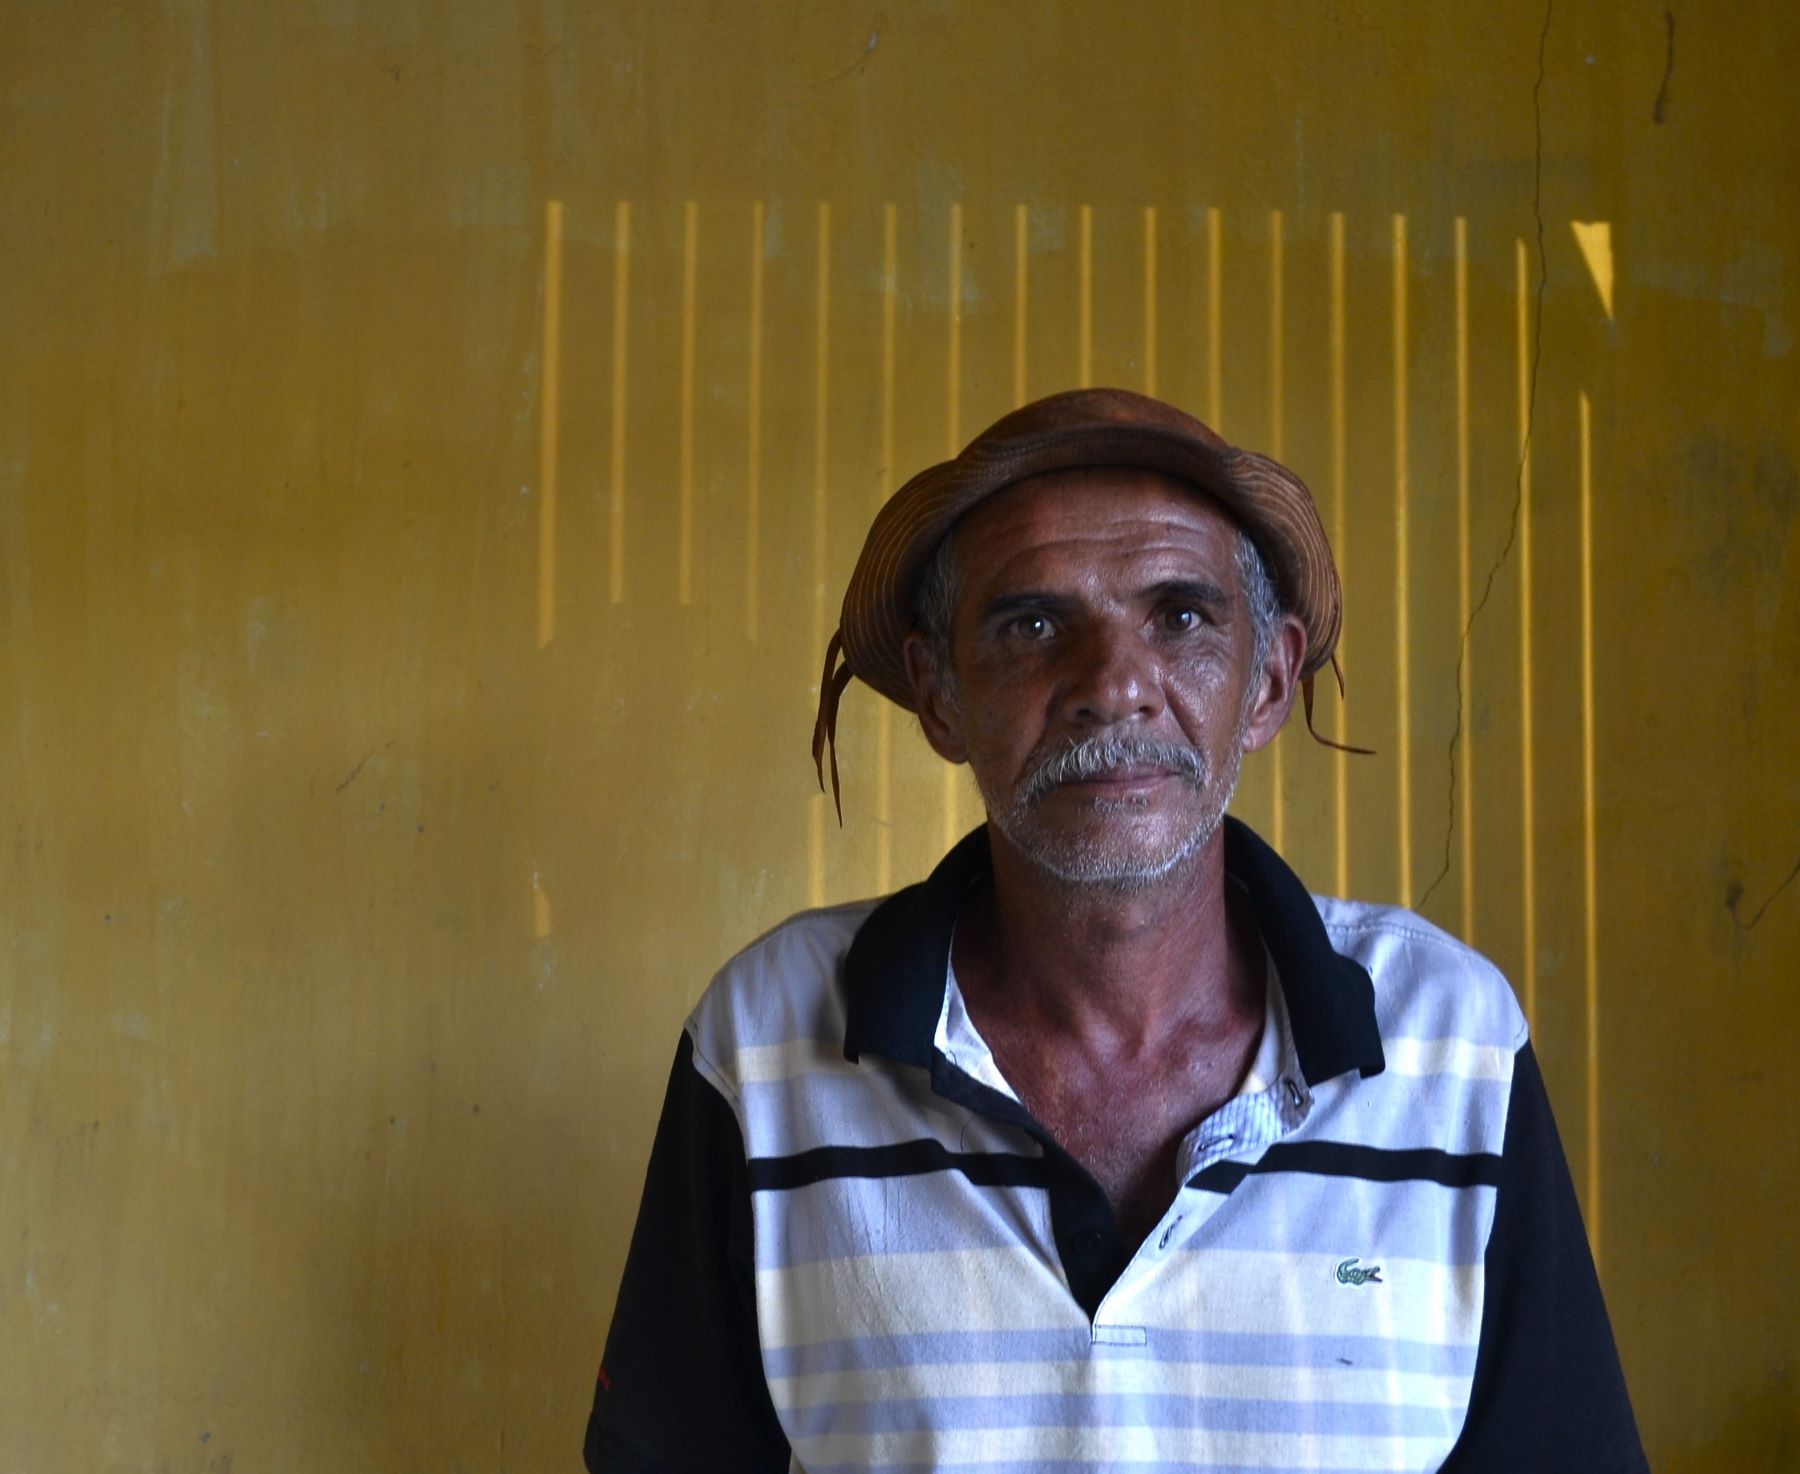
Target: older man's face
[[1105, 691]]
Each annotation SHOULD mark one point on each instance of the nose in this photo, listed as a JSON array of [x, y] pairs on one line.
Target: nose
[[1114, 678]]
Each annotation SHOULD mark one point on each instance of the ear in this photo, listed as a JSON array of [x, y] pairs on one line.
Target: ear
[[939, 718], [1277, 681]]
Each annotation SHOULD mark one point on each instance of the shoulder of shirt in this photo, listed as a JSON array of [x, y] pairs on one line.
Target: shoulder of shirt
[[781, 996], [1428, 984]]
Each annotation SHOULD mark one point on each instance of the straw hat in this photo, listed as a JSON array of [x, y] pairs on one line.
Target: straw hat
[[1084, 427]]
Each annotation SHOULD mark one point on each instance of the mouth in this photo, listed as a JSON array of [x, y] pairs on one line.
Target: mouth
[[1121, 782]]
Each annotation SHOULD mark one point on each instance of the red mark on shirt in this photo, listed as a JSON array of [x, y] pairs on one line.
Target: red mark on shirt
[[603, 1379]]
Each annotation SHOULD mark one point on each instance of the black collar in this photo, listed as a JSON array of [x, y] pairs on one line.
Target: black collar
[[894, 974]]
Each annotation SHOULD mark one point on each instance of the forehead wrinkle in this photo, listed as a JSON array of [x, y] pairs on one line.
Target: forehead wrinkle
[[1121, 570]]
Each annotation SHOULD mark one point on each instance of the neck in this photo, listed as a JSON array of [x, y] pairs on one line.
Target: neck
[[1110, 968]]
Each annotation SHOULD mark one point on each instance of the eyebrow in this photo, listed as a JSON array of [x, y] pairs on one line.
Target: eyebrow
[[1168, 591], [1189, 591], [1037, 599]]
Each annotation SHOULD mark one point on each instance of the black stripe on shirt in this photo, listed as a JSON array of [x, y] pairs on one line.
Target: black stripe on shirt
[[1006, 1169], [906, 1159], [1370, 1163]]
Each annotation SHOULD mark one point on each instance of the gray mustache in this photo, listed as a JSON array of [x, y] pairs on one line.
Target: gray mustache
[[1093, 757]]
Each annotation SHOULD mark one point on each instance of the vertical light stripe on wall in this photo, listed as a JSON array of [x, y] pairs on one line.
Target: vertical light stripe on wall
[[1589, 859], [953, 368], [884, 488], [1527, 770], [1339, 493], [952, 444], [820, 490], [753, 414], [1150, 300], [542, 920], [1084, 310], [621, 342], [1021, 277], [547, 422], [1465, 663], [1402, 569], [821, 407], [1277, 337], [1277, 449], [690, 251], [1215, 307]]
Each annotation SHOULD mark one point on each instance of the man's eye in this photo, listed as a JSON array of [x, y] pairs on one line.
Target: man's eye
[[1032, 627], [1181, 621]]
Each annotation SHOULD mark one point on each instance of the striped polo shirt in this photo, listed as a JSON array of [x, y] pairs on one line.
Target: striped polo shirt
[[857, 1250]]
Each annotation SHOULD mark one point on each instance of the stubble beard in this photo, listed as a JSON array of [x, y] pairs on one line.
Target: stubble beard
[[1113, 856]]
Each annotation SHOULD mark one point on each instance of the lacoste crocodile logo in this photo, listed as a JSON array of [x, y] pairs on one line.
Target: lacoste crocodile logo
[[1349, 1274]]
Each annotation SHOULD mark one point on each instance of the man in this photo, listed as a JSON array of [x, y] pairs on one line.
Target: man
[[1106, 1145]]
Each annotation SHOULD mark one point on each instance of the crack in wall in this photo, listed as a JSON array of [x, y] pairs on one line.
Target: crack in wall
[[1734, 894], [1537, 350], [355, 772]]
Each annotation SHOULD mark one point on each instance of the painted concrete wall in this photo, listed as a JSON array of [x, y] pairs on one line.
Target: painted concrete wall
[[433, 438]]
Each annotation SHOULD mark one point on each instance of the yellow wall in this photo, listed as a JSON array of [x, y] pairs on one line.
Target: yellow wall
[[433, 439]]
